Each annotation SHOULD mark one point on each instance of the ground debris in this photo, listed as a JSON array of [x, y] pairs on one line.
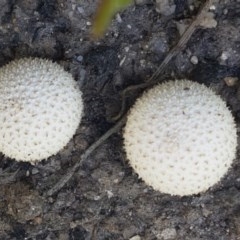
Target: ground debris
[[101, 197]]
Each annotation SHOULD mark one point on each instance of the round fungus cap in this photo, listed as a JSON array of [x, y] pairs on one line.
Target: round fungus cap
[[180, 137], [40, 109]]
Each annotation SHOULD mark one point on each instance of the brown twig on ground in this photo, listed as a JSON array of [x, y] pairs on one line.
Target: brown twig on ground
[[63, 181], [173, 52]]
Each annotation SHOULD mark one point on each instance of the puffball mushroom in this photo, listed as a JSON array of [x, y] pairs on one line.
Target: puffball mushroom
[[180, 137], [40, 109]]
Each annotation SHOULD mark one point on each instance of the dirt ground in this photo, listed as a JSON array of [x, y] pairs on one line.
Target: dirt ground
[[105, 200]]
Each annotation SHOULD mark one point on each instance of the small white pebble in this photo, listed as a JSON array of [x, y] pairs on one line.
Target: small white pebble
[[80, 10], [212, 8], [208, 20], [194, 60], [119, 19], [191, 7], [225, 11], [231, 81], [129, 26], [109, 194], [137, 237], [126, 49], [96, 198], [145, 190], [73, 7], [116, 180], [79, 58], [224, 56]]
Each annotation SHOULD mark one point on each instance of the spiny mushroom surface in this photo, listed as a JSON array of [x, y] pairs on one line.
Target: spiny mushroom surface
[[40, 109], [180, 137]]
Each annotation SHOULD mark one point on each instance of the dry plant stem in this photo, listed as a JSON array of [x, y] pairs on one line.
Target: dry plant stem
[[64, 180], [171, 54]]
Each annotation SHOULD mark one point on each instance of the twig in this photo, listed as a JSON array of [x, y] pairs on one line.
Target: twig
[[171, 54], [181, 43], [63, 181]]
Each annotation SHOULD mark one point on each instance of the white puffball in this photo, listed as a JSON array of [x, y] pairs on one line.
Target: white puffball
[[180, 137], [40, 109]]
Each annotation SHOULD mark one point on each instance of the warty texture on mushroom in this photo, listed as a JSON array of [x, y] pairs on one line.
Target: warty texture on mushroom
[[40, 109], [180, 137]]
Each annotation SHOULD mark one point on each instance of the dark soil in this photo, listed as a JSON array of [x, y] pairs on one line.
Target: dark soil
[[105, 200]]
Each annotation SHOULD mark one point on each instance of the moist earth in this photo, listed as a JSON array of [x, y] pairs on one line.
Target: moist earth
[[105, 199]]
